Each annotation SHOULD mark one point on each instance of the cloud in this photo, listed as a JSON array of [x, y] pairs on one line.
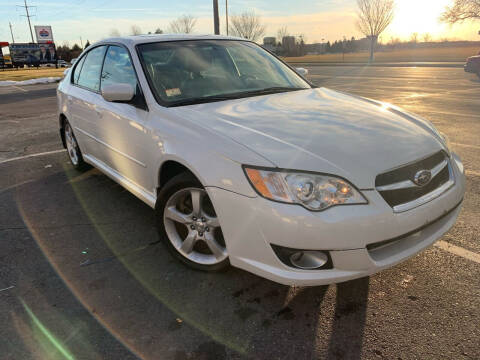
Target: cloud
[[318, 26]]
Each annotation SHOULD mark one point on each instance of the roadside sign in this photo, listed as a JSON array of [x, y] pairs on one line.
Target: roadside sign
[[33, 54], [44, 33]]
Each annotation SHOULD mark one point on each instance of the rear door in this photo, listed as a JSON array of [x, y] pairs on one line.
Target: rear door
[[122, 126], [83, 99]]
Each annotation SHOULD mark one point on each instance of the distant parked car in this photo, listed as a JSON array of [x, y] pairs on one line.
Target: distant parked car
[[62, 63], [473, 65]]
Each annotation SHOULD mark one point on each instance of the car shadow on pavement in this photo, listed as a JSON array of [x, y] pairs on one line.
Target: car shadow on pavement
[[153, 304], [349, 320]]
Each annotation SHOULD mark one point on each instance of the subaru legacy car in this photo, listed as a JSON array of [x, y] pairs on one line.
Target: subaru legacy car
[[248, 164]]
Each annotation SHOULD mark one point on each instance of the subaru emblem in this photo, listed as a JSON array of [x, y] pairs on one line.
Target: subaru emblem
[[422, 177]]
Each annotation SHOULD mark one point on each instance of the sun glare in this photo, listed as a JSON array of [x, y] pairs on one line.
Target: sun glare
[[418, 16]]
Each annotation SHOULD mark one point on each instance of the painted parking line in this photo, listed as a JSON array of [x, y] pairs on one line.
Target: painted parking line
[[19, 88], [471, 172], [466, 145], [31, 155], [459, 251]]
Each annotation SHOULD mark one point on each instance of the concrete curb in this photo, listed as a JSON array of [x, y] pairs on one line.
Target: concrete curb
[[402, 64]]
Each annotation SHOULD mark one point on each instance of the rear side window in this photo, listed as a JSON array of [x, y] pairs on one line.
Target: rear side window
[[118, 68], [78, 69], [90, 74]]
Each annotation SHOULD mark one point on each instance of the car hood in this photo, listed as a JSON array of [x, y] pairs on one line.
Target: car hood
[[322, 130]]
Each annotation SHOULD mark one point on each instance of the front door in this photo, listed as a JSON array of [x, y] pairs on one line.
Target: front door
[[122, 126]]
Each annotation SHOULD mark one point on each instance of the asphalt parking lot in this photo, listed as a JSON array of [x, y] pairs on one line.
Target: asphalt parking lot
[[82, 277]]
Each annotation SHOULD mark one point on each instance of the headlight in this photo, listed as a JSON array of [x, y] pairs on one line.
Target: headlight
[[313, 191]]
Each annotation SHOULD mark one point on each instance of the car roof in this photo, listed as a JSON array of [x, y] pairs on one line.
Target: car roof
[[141, 39]]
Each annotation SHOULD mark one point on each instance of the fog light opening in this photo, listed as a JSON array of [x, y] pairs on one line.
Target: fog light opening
[[308, 260]]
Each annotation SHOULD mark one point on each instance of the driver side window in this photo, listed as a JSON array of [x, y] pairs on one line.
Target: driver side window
[[118, 68]]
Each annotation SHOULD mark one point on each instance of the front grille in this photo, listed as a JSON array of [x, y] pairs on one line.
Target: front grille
[[398, 186], [408, 172]]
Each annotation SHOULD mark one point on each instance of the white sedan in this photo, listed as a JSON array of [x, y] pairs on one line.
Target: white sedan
[[248, 164]]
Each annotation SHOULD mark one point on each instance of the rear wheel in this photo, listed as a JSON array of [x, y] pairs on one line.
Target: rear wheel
[[73, 151], [189, 226]]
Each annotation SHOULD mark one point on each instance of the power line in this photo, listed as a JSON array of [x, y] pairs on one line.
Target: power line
[[28, 16]]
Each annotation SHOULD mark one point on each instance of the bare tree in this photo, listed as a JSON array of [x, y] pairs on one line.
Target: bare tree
[[427, 37], [159, 31], [461, 10], [114, 33], [185, 24], [281, 33], [374, 16], [247, 25], [414, 38], [135, 30]]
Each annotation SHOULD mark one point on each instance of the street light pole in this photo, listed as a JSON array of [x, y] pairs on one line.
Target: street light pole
[[11, 32], [216, 19], [226, 14], [28, 16]]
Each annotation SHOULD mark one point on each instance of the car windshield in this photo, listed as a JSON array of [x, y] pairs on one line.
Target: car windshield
[[190, 72]]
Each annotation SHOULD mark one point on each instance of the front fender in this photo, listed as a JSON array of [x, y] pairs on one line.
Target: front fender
[[213, 158]]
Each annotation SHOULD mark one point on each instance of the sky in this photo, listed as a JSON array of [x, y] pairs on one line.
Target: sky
[[317, 20]]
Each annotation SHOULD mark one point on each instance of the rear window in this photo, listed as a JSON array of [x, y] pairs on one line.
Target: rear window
[[77, 70], [90, 74]]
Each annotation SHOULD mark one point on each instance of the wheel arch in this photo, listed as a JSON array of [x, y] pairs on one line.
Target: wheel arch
[[171, 168], [62, 119]]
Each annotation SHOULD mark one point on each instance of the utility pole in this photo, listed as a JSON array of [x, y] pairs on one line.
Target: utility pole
[[81, 42], [11, 32], [28, 16], [216, 19], [226, 14]]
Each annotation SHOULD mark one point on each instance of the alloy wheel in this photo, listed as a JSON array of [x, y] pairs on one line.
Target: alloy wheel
[[71, 145], [193, 227]]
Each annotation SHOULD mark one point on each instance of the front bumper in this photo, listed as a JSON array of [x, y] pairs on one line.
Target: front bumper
[[251, 225]]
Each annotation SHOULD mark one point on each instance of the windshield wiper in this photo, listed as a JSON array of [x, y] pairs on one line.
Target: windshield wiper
[[269, 90], [237, 95], [200, 100]]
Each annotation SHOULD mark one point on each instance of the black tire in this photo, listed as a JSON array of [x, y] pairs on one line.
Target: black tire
[[72, 148], [177, 184]]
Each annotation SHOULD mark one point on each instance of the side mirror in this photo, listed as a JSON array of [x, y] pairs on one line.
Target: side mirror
[[65, 73], [301, 71], [118, 92]]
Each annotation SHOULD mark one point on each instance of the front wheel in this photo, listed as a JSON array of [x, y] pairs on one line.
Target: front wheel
[[189, 226]]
